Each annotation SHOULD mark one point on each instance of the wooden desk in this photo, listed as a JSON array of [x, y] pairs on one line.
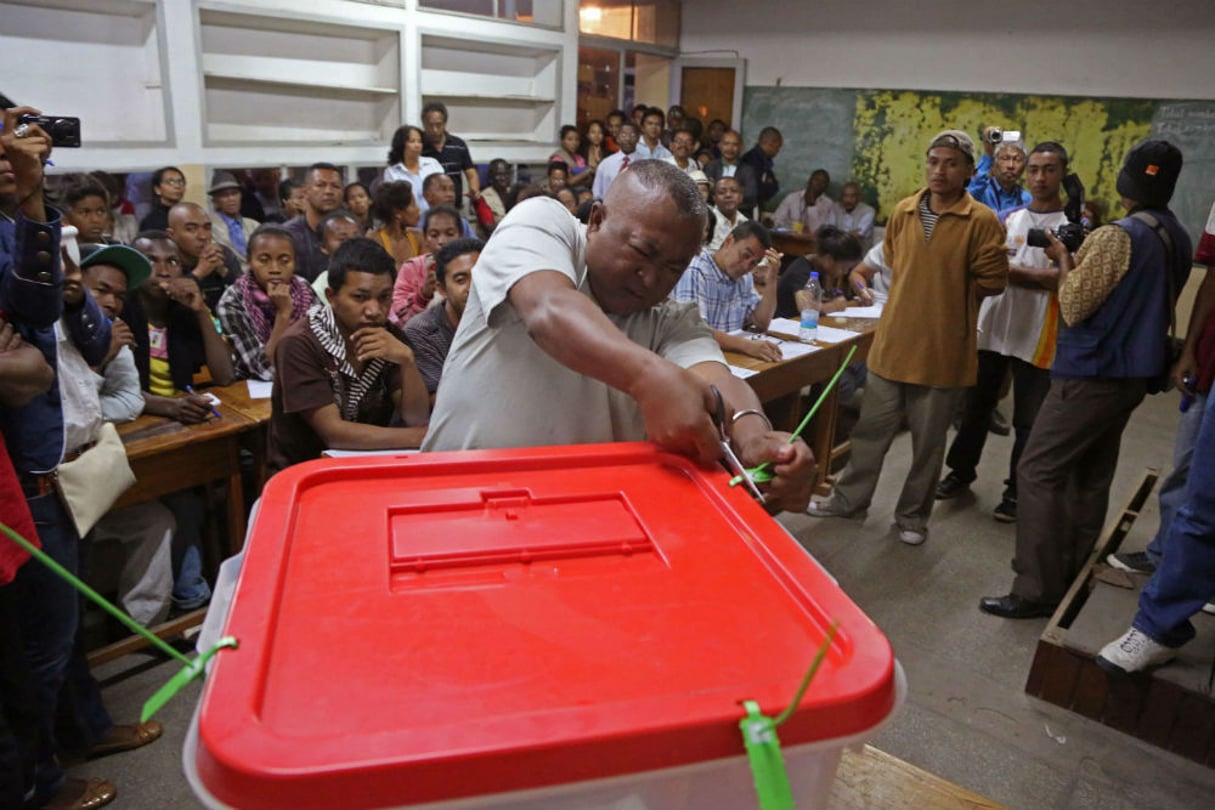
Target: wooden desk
[[792, 243], [168, 457], [257, 411], [873, 778], [779, 385]]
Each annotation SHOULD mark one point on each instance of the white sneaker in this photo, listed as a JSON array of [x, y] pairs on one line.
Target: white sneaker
[[1209, 607], [912, 537], [1134, 652]]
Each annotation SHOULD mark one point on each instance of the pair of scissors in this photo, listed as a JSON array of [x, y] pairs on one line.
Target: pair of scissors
[[729, 460]]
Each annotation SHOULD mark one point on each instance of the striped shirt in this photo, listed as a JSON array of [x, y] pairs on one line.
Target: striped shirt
[[725, 303], [927, 218]]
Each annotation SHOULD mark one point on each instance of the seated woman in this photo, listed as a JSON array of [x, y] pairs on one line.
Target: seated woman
[[396, 209], [358, 203], [579, 172], [261, 304], [837, 253]]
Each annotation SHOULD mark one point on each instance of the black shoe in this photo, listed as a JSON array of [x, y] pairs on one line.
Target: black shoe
[[1136, 562], [1016, 607], [951, 486], [998, 424], [1006, 512]]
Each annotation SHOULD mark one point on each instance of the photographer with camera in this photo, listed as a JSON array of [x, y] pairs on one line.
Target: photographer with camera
[[1016, 330], [1117, 306], [997, 178]]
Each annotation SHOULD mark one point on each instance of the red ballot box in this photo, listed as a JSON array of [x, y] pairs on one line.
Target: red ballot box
[[557, 627]]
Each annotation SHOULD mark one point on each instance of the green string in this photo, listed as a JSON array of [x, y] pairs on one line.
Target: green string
[[818, 660], [192, 668], [763, 473]]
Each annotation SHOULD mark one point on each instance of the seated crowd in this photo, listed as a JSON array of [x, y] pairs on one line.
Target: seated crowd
[[594, 304]]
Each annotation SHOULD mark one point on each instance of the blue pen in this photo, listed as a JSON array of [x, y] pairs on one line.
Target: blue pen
[[218, 415], [860, 285]]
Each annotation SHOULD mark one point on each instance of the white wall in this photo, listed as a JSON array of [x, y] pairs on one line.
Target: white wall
[[132, 70], [1129, 48]]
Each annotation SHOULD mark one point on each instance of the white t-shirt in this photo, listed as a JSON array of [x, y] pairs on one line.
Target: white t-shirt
[[722, 227], [1023, 322], [426, 167], [500, 389]]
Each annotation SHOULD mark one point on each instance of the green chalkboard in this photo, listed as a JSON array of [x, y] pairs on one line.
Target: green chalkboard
[[878, 137]]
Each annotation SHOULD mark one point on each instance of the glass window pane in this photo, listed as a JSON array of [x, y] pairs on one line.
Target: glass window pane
[[656, 22], [598, 83], [539, 12]]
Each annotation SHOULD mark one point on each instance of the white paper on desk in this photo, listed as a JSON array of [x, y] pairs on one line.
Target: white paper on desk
[[742, 373], [209, 397], [786, 326], [789, 349], [829, 334], [874, 311], [259, 389], [335, 453]]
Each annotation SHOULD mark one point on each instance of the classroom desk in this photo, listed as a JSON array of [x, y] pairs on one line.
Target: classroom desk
[[168, 457], [779, 385], [791, 243], [257, 411]]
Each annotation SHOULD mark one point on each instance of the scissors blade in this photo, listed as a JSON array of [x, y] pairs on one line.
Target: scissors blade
[[731, 462]]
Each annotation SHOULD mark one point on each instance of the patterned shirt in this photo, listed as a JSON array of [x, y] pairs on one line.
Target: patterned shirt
[[725, 303], [430, 334]]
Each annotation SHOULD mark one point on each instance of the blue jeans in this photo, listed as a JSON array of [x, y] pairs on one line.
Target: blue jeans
[[1172, 490], [190, 588], [1185, 578]]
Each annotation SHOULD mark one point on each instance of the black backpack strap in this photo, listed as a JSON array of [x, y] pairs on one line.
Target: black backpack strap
[[1167, 239]]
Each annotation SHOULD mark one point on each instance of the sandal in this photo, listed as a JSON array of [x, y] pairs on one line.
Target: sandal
[[82, 794], [126, 738]]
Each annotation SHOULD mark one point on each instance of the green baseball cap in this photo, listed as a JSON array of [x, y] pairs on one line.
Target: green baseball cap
[[134, 265]]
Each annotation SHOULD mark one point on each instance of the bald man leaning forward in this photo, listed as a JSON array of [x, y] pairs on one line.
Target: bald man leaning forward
[[568, 338]]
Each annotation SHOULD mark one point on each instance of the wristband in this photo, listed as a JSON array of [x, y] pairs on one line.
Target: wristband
[[752, 412]]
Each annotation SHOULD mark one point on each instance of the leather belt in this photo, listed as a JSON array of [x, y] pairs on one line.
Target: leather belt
[[35, 486]]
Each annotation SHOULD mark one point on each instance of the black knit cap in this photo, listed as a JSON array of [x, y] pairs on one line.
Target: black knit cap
[[1150, 172]]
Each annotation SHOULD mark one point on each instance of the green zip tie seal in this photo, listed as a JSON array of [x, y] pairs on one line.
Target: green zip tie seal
[[763, 744], [191, 668]]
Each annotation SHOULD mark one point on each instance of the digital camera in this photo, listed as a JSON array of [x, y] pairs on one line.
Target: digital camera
[[64, 130]]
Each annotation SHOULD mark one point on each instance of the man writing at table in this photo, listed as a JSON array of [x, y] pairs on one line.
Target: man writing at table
[[569, 327], [720, 283]]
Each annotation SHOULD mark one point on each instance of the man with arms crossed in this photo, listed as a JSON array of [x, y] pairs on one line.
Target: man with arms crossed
[[570, 328]]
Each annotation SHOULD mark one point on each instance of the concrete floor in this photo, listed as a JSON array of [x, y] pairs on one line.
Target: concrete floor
[[967, 717]]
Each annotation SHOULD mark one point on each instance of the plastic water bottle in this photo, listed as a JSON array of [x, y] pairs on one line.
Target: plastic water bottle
[[808, 330]]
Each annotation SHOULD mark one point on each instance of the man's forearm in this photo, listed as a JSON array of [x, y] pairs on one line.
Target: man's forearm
[[761, 316], [1043, 278]]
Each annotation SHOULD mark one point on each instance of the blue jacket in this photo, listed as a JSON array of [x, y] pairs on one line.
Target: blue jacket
[[1125, 337], [984, 188], [31, 296]]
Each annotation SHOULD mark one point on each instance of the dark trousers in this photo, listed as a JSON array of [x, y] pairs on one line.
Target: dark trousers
[[1030, 385], [1063, 482], [20, 740], [49, 618]]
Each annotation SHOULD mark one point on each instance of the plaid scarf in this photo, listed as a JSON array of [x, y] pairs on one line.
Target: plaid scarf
[[350, 387], [261, 310]]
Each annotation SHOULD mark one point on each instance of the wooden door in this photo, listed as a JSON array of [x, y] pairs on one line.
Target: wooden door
[[707, 93]]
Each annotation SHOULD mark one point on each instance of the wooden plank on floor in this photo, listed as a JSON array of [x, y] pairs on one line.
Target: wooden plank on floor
[[133, 643], [873, 778], [1092, 690], [1061, 685], [1159, 710], [1193, 735]]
